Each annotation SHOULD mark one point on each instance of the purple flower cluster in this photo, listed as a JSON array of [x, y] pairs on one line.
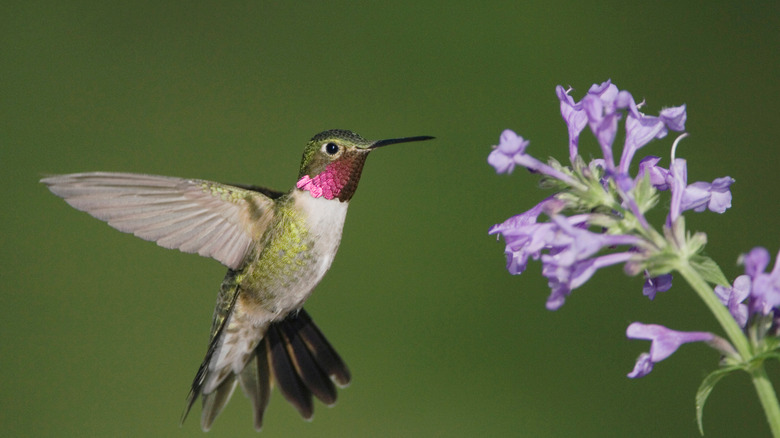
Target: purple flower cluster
[[606, 206], [596, 217], [571, 250], [756, 293], [698, 196]]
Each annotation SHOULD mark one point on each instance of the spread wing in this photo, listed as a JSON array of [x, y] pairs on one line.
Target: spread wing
[[195, 216]]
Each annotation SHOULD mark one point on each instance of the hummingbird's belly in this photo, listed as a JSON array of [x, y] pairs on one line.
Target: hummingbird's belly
[[299, 249]]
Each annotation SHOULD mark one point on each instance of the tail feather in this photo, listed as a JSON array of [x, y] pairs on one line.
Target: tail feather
[[215, 401], [290, 384], [295, 354], [256, 382], [323, 353], [310, 373]]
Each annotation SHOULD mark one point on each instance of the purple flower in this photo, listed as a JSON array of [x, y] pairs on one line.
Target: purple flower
[[562, 278], [658, 175], [764, 287], [755, 261], [575, 119], [664, 342], [524, 237], [653, 285], [570, 247], [602, 104], [602, 108], [644, 364], [570, 264], [697, 196], [733, 297], [510, 147], [701, 195], [642, 129], [511, 151], [756, 292], [674, 117]]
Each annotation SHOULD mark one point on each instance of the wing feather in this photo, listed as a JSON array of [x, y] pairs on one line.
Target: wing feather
[[195, 216]]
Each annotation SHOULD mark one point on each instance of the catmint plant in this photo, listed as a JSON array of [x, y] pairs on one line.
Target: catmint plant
[[596, 217]]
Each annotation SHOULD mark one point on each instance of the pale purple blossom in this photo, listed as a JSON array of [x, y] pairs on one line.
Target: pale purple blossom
[[524, 236], [764, 287], [570, 263], [641, 129], [510, 147], [664, 342], [657, 174], [562, 278], [575, 119], [698, 196], [733, 297], [603, 105], [570, 247], [510, 151], [601, 109], [714, 196]]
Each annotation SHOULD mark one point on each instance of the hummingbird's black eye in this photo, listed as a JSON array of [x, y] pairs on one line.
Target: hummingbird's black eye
[[331, 148]]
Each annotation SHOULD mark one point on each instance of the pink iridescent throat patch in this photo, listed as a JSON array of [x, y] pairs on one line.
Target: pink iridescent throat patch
[[329, 183]]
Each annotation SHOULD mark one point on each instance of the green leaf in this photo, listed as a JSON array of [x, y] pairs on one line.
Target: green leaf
[[646, 196], [772, 343], [768, 355], [706, 387], [709, 270]]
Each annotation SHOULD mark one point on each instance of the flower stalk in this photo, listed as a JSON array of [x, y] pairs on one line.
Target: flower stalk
[[721, 313]]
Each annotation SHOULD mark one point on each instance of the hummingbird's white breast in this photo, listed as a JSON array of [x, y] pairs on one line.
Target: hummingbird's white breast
[[325, 220], [296, 253]]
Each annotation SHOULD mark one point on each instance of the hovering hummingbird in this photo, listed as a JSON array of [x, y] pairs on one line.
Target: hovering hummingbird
[[277, 247]]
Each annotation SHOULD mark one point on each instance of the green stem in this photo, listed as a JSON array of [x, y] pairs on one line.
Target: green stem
[[764, 389], [768, 398], [727, 322]]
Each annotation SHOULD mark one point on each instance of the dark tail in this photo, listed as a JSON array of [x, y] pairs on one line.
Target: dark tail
[[295, 352]]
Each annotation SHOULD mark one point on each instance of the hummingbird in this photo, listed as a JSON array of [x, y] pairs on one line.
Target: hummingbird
[[277, 247]]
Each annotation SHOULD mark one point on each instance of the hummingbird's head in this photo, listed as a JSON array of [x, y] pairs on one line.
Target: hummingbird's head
[[333, 160]]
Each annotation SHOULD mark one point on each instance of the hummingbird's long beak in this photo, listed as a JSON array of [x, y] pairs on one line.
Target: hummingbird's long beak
[[380, 143]]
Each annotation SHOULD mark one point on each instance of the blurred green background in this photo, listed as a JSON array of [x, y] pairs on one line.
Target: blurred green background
[[101, 332]]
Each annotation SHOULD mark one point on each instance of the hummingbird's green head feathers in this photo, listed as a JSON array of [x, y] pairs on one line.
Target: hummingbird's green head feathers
[[333, 161], [342, 136], [329, 146]]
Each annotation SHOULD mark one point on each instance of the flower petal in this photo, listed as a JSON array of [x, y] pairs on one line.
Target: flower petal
[[755, 261], [501, 162], [674, 117], [720, 200], [642, 367], [575, 119], [653, 285], [665, 341], [732, 298], [510, 147], [658, 175], [696, 197]]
